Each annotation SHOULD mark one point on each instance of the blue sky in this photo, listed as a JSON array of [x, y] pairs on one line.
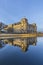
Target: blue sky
[[12, 11]]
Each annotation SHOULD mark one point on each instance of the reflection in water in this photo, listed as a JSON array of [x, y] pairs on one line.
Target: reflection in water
[[2, 44], [21, 42]]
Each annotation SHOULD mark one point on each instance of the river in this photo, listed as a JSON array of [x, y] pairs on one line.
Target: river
[[13, 55]]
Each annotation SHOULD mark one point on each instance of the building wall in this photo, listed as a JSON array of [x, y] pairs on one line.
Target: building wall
[[21, 27], [32, 28]]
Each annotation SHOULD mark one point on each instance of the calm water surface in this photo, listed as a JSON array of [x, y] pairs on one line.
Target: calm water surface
[[12, 55]]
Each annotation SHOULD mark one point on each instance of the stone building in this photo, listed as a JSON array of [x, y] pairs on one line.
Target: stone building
[[21, 27]]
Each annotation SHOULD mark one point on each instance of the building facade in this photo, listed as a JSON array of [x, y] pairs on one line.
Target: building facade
[[21, 27]]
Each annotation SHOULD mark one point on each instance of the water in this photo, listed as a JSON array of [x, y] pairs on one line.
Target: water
[[13, 55]]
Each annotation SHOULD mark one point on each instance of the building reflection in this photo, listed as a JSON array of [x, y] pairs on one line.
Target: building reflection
[[2, 44], [21, 42]]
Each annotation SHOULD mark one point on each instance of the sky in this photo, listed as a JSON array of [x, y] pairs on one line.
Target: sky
[[11, 11]]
